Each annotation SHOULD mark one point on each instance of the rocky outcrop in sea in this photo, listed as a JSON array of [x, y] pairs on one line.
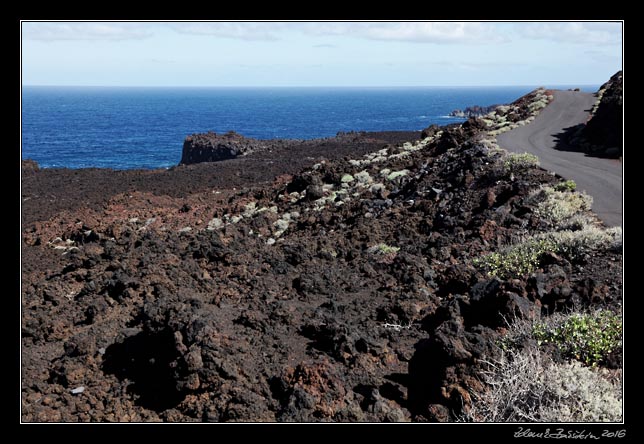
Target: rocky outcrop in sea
[[473, 111], [213, 147]]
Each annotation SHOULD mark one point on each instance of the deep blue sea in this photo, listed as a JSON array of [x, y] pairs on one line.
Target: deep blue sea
[[124, 128]]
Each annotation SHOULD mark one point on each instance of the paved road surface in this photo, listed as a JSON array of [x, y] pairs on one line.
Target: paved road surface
[[601, 178]]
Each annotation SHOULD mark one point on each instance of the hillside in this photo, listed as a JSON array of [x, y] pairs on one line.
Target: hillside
[[374, 286], [602, 135]]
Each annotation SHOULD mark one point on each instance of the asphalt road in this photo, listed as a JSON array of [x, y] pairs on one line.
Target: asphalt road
[[601, 178]]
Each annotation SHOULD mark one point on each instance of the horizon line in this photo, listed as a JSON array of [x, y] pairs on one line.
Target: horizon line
[[310, 86]]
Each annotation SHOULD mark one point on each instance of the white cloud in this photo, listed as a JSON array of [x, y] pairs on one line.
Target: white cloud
[[594, 33], [49, 31], [234, 30], [597, 33], [421, 32]]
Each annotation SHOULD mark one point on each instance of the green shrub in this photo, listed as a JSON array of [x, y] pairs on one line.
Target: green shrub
[[525, 257], [516, 260], [578, 222], [566, 185], [539, 104], [588, 338], [382, 249], [363, 178], [385, 254], [396, 174], [575, 244], [514, 162], [616, 237], [556, 207]]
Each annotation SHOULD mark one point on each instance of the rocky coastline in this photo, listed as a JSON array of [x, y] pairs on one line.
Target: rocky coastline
[[368, 277]]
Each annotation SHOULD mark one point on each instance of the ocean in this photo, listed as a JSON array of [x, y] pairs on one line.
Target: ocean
[[126, 128]]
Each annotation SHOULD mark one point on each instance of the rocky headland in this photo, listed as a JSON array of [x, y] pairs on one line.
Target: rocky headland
[[212, 147]]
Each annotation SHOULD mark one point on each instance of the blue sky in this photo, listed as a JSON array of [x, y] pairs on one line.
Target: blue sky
[[320, 53]]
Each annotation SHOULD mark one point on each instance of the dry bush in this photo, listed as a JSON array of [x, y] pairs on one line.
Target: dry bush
[[526, 385]]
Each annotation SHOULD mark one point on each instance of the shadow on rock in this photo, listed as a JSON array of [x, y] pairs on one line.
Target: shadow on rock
[[567, 140], [147, 361], [573, 139]]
